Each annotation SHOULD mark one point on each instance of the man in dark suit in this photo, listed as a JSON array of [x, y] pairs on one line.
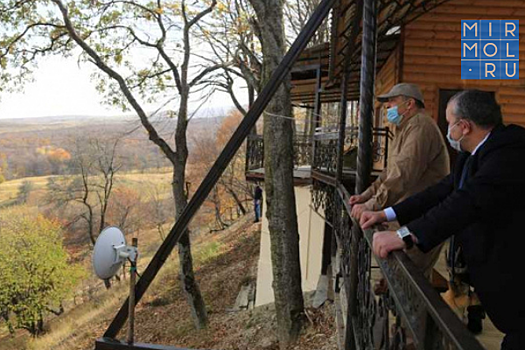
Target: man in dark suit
[[482, 204]]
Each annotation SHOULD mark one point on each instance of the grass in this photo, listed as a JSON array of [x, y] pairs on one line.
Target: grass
[[76, 326], [9, 189], [63, 333], [80, 325], [223, 262], [206, 252]]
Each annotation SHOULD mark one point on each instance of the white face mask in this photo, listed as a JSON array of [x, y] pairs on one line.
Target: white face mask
[[455, 144]]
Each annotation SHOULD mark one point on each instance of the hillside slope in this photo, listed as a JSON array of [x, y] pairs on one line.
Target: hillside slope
[[224, 261]]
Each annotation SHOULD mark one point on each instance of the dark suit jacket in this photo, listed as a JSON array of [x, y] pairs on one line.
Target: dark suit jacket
[[487, 217]]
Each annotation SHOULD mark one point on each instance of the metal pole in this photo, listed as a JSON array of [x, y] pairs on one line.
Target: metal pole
[[316, 120], [364, 155], [317, 103], [366, 99], [350, 341], [350, 48], [343, 111], [132, 280]]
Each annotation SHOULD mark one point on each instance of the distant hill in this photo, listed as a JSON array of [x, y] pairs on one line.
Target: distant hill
[[25, 143]]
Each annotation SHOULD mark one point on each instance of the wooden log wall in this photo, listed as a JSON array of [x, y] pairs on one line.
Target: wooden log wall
[[432, 54]]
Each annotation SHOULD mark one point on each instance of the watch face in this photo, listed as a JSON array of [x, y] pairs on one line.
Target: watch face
[[403, 232]]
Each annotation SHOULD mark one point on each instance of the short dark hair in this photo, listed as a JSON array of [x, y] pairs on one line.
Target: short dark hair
[[478, 106]]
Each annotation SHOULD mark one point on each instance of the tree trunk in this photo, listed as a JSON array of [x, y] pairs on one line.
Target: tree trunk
[[280, 195], [187, 277], [179, 156], [90, 228], [217, 205], [236, 199]]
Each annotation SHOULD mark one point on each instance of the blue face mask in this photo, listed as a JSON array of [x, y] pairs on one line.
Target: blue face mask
[[393, 116]]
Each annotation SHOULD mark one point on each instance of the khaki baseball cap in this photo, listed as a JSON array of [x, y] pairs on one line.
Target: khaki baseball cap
[[403, 89]]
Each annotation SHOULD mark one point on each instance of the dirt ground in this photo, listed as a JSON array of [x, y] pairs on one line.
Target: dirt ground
[[163, 317]]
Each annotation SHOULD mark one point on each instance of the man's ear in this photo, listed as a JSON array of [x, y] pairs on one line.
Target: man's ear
[[407, 104], [468, 127]]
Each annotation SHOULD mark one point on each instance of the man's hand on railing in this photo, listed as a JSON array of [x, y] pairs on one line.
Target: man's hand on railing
[[371, 218], [356, 202], [385, 242], [357, 211], [357, 198]]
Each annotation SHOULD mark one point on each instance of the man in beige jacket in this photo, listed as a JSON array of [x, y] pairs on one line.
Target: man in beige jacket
[[417, 159]]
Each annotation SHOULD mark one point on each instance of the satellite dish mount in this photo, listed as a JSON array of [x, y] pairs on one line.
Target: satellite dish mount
[[109, 254]]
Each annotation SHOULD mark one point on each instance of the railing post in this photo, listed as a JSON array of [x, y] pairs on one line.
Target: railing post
[[316, 120], [342, 119], [364, 155], [132, 281], [317, 103], [366, 99], [350, 342]]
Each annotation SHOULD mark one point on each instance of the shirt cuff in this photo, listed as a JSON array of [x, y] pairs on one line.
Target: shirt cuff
[[390, 214]]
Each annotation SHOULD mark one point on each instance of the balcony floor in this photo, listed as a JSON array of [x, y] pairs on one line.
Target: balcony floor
[[490, 337], [302, 175]]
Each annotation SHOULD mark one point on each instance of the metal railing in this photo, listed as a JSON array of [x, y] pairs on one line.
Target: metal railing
[[322, 153], [418, 312], [325, 147], [255, 152]]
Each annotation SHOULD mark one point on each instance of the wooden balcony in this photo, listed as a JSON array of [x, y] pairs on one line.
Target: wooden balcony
[[325, 151], [302, 159], [317, 156]]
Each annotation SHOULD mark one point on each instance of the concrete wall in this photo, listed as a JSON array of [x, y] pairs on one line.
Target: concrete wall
[[311, 230]]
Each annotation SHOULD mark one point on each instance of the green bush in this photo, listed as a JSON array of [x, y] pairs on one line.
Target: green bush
[[35, 274]]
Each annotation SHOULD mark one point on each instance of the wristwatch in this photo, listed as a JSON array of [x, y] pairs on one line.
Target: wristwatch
[[405, 234]]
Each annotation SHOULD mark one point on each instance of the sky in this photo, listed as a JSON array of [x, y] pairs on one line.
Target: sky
[[62, 88]]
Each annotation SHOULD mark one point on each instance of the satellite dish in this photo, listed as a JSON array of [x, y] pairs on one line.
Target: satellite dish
[[110, 252]]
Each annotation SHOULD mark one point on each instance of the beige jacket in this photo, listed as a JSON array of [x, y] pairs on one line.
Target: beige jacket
[[417, 159]]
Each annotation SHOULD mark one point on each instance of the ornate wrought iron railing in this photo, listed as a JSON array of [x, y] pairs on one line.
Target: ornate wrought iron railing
[[410, 311], [325, 147], [255, 152]]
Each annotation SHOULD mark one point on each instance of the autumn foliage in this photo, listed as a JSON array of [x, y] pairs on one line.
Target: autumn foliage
[[231, 196], [36, 275]]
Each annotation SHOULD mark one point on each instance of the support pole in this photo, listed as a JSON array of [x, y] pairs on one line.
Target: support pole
[[366, 99], [350, 342], [316, 120], [317, 103], [364, 155], [342, 118], [132, 281], [351, 34]]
